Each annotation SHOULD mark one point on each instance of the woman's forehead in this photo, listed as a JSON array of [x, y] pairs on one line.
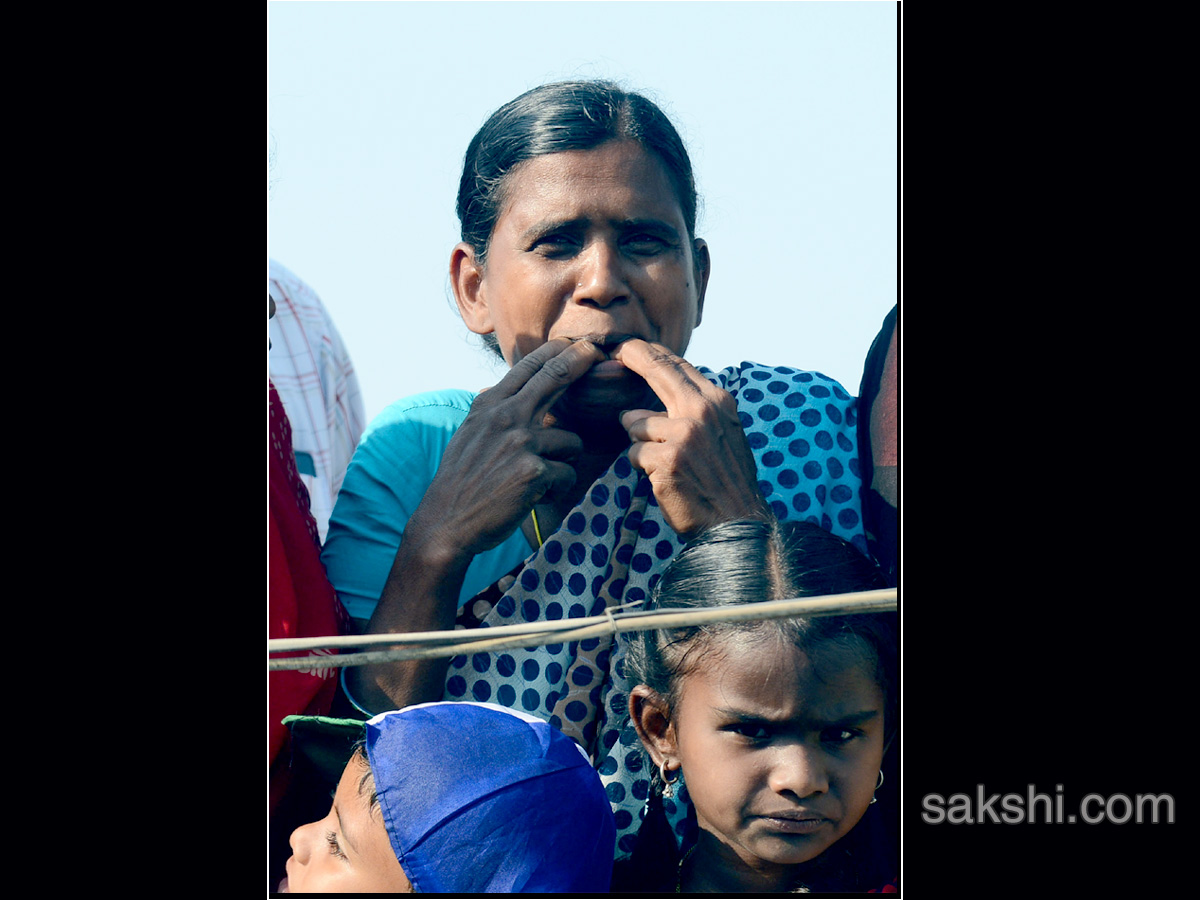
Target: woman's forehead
[[620, 179]]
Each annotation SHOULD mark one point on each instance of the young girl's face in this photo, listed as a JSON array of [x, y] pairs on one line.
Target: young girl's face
[[780, 759], [348, 851]]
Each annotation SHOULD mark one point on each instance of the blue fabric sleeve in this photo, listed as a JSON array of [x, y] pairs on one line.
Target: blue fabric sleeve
[[394, 464]]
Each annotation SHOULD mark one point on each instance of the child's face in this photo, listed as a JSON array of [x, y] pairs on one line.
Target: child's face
[[348, 851], [780, 760]]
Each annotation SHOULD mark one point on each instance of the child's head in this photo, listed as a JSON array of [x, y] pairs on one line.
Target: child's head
[[460, 798], [779, 726]]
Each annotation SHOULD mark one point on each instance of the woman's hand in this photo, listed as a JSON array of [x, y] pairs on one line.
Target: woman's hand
[[501, 461], [504, 458], [695, 453]]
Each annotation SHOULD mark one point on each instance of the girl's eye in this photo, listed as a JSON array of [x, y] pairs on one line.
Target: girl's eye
[[751, 731], [839, 735], [334, 847]]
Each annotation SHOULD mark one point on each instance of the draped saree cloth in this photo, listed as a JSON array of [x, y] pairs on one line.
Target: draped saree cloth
[[878, 437], [300, 600], [611, 551]]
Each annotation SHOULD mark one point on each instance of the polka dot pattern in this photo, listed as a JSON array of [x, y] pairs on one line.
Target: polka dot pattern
[[612, 548]]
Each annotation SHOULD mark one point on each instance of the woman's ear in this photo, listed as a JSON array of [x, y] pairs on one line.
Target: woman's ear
[[651, 718], [466, 280], [703, 270]]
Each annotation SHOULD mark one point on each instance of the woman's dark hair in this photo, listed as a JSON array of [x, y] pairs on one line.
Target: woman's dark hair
[[748, 562], [554, 118]]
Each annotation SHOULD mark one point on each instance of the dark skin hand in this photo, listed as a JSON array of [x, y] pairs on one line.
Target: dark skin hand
[[506, 457], [511, 454], [695, 453]]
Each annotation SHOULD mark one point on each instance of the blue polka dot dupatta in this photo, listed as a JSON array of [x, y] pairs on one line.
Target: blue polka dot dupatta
[[611, 550]]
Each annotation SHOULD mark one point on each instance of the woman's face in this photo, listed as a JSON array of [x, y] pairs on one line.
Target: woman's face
[[348, 851], [589, 244], [780, 760]]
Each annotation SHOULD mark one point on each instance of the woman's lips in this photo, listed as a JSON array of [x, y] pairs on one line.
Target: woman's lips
[[607, 344], [608, 368]]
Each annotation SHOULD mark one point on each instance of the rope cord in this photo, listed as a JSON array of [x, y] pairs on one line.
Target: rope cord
[[434, 644]]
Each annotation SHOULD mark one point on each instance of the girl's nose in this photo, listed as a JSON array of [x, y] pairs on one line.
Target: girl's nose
[[801, 770], [600, 279]]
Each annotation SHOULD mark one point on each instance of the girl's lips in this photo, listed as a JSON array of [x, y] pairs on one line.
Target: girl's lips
[[795, 823]]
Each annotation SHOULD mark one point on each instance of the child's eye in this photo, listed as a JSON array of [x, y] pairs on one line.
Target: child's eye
[[752, 731], [334, 847], [839, 735]]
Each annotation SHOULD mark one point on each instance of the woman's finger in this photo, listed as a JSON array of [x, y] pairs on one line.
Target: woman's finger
[[646, 425], [553, 478], [557, 373], [556, 443], [518, 376], [675, 381], [540, 378]]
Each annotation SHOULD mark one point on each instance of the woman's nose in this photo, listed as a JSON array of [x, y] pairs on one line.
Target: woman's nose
[[801, 770], [600, 278]]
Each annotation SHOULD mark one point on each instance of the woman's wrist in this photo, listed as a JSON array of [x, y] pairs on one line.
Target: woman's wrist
[[433, 548]]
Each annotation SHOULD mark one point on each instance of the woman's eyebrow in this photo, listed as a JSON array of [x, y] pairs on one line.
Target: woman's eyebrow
[[548, 226], [582, 223], [648, 224]]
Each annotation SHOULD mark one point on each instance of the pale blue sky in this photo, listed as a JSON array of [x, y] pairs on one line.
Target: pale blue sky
[[789, 109]]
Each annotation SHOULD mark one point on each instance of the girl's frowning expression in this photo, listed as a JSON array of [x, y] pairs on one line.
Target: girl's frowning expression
[[780, 755]]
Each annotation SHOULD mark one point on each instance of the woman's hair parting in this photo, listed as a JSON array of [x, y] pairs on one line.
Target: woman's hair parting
[[749, 562], [555, 118]]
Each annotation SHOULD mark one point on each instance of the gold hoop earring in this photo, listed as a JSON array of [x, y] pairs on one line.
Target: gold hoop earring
[[668, 791]]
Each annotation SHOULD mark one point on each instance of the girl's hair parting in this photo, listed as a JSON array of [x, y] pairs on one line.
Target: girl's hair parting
[[749, 562]]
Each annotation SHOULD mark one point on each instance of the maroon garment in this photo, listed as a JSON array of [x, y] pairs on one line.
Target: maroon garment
[[300, 601]]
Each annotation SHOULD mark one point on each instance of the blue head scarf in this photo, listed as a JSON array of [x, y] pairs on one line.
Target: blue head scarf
[[477, 798]]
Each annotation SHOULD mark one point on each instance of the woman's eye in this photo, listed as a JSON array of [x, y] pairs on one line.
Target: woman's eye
[[555, 244], [645, 244], [334, 847]]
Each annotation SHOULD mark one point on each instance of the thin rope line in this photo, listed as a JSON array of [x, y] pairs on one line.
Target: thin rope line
[[533, 634]]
